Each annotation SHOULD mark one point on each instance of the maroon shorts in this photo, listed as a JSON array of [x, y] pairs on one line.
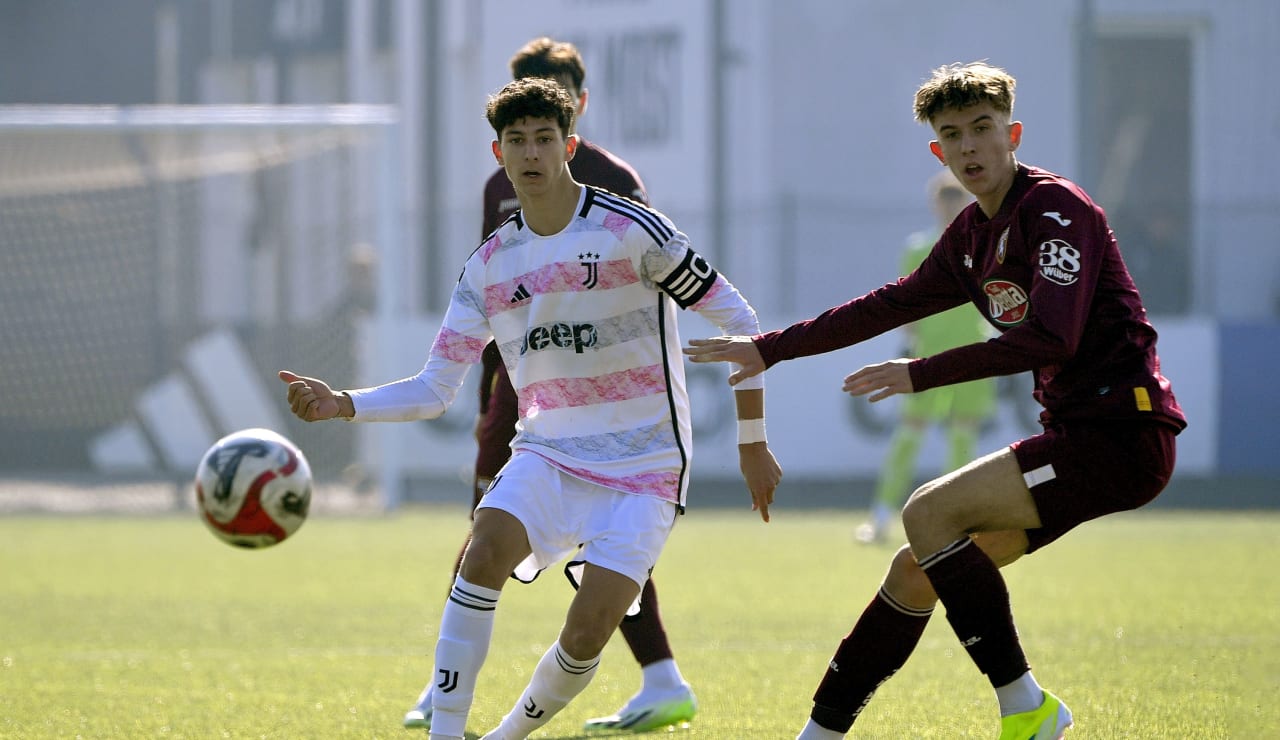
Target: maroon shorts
[[1081, 470]]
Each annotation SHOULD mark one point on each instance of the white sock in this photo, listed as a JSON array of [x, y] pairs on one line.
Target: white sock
[[557, 679], [466, 628], [660, 681], [1023, 695], [661, 677], [814, 731]]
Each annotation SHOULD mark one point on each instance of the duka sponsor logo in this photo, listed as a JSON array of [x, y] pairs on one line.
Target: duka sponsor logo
[[1007, 303]]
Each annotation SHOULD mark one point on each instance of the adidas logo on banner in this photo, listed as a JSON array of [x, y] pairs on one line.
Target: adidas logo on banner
[[522, 293]]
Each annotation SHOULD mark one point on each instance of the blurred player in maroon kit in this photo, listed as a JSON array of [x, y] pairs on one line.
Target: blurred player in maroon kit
[[665, 698], [1035, 255]]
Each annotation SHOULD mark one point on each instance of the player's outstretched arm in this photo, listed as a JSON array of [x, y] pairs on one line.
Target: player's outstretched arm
[[739, 350], [311, 399]]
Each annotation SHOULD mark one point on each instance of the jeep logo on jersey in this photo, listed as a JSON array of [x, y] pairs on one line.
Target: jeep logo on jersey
[[1007, 303], [1059, 261], [560, 335]]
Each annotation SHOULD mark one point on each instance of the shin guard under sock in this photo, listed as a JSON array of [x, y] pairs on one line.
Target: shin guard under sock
[[645, 634], [466, 629], [880, 643], [557, 679], [977, 602]]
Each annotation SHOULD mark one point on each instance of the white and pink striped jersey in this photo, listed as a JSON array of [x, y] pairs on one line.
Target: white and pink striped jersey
[[585, 320]]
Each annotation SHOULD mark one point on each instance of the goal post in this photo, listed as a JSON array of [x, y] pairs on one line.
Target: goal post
[[161, 262]]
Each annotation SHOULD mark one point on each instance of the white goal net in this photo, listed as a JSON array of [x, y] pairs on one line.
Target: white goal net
[[160, 263]]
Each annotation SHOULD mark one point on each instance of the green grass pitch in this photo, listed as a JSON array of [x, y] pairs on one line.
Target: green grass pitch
[[1150, 625]]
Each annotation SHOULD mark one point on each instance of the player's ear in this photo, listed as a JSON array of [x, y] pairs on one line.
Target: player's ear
[[936, 148], [497, 151], [1015, 135], [570, 147]]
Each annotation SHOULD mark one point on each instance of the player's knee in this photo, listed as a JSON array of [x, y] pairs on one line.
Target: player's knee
[[907, 582], [919, 513], [487, 561], [585, 639]]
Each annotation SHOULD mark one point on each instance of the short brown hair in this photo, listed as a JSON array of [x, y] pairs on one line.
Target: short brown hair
[[546, 57], [532, 97], [963, 85]]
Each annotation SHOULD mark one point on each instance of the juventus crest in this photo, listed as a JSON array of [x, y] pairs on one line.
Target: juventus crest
[[591, 261]]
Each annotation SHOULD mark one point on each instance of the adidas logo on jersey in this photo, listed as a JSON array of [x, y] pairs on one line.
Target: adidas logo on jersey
[[521, 294]]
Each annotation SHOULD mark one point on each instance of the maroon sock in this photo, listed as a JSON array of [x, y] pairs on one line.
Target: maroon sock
[[644, 633], [880, 643], [969, 585]]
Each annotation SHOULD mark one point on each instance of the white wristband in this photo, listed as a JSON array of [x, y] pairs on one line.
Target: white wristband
[[750, 431]]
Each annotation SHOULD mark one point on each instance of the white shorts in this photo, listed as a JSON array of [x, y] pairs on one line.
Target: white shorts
[[624, 532]]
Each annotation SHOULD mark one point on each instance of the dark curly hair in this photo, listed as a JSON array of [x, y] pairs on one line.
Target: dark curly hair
[[531, 97]]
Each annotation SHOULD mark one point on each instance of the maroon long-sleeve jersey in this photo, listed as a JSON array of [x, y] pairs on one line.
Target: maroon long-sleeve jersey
[[1047, 273]]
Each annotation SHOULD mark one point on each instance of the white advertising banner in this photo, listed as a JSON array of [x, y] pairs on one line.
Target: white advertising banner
[[648, 77]]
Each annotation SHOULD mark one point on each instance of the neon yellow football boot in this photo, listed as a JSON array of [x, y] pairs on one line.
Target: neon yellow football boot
[[1049, 722], [647, 716]]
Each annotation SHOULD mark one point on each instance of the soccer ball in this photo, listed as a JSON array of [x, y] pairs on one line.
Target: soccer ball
[[253, 488]]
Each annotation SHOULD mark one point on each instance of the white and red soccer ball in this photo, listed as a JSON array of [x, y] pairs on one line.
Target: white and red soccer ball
[[253, 488]]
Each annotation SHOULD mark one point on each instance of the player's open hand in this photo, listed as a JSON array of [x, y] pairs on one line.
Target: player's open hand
[[881, 381], [739, 350], [762, 473], [310, 399]]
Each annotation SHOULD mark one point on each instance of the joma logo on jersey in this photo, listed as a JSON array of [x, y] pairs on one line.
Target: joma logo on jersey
[[1007, 303], [560, 336]]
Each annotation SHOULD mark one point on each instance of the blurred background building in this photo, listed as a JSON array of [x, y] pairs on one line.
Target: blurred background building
[[174, 243]]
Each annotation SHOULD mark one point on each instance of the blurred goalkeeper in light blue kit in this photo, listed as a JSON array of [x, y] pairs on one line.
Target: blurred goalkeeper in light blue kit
[[579, 289], [958, 409]]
